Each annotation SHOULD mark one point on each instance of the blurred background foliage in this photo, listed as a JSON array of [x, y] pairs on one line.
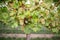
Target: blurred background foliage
[[31, 15]]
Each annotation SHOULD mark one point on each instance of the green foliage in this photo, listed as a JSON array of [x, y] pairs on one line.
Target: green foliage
[[54, 38], [30, 15], [55, 0]]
